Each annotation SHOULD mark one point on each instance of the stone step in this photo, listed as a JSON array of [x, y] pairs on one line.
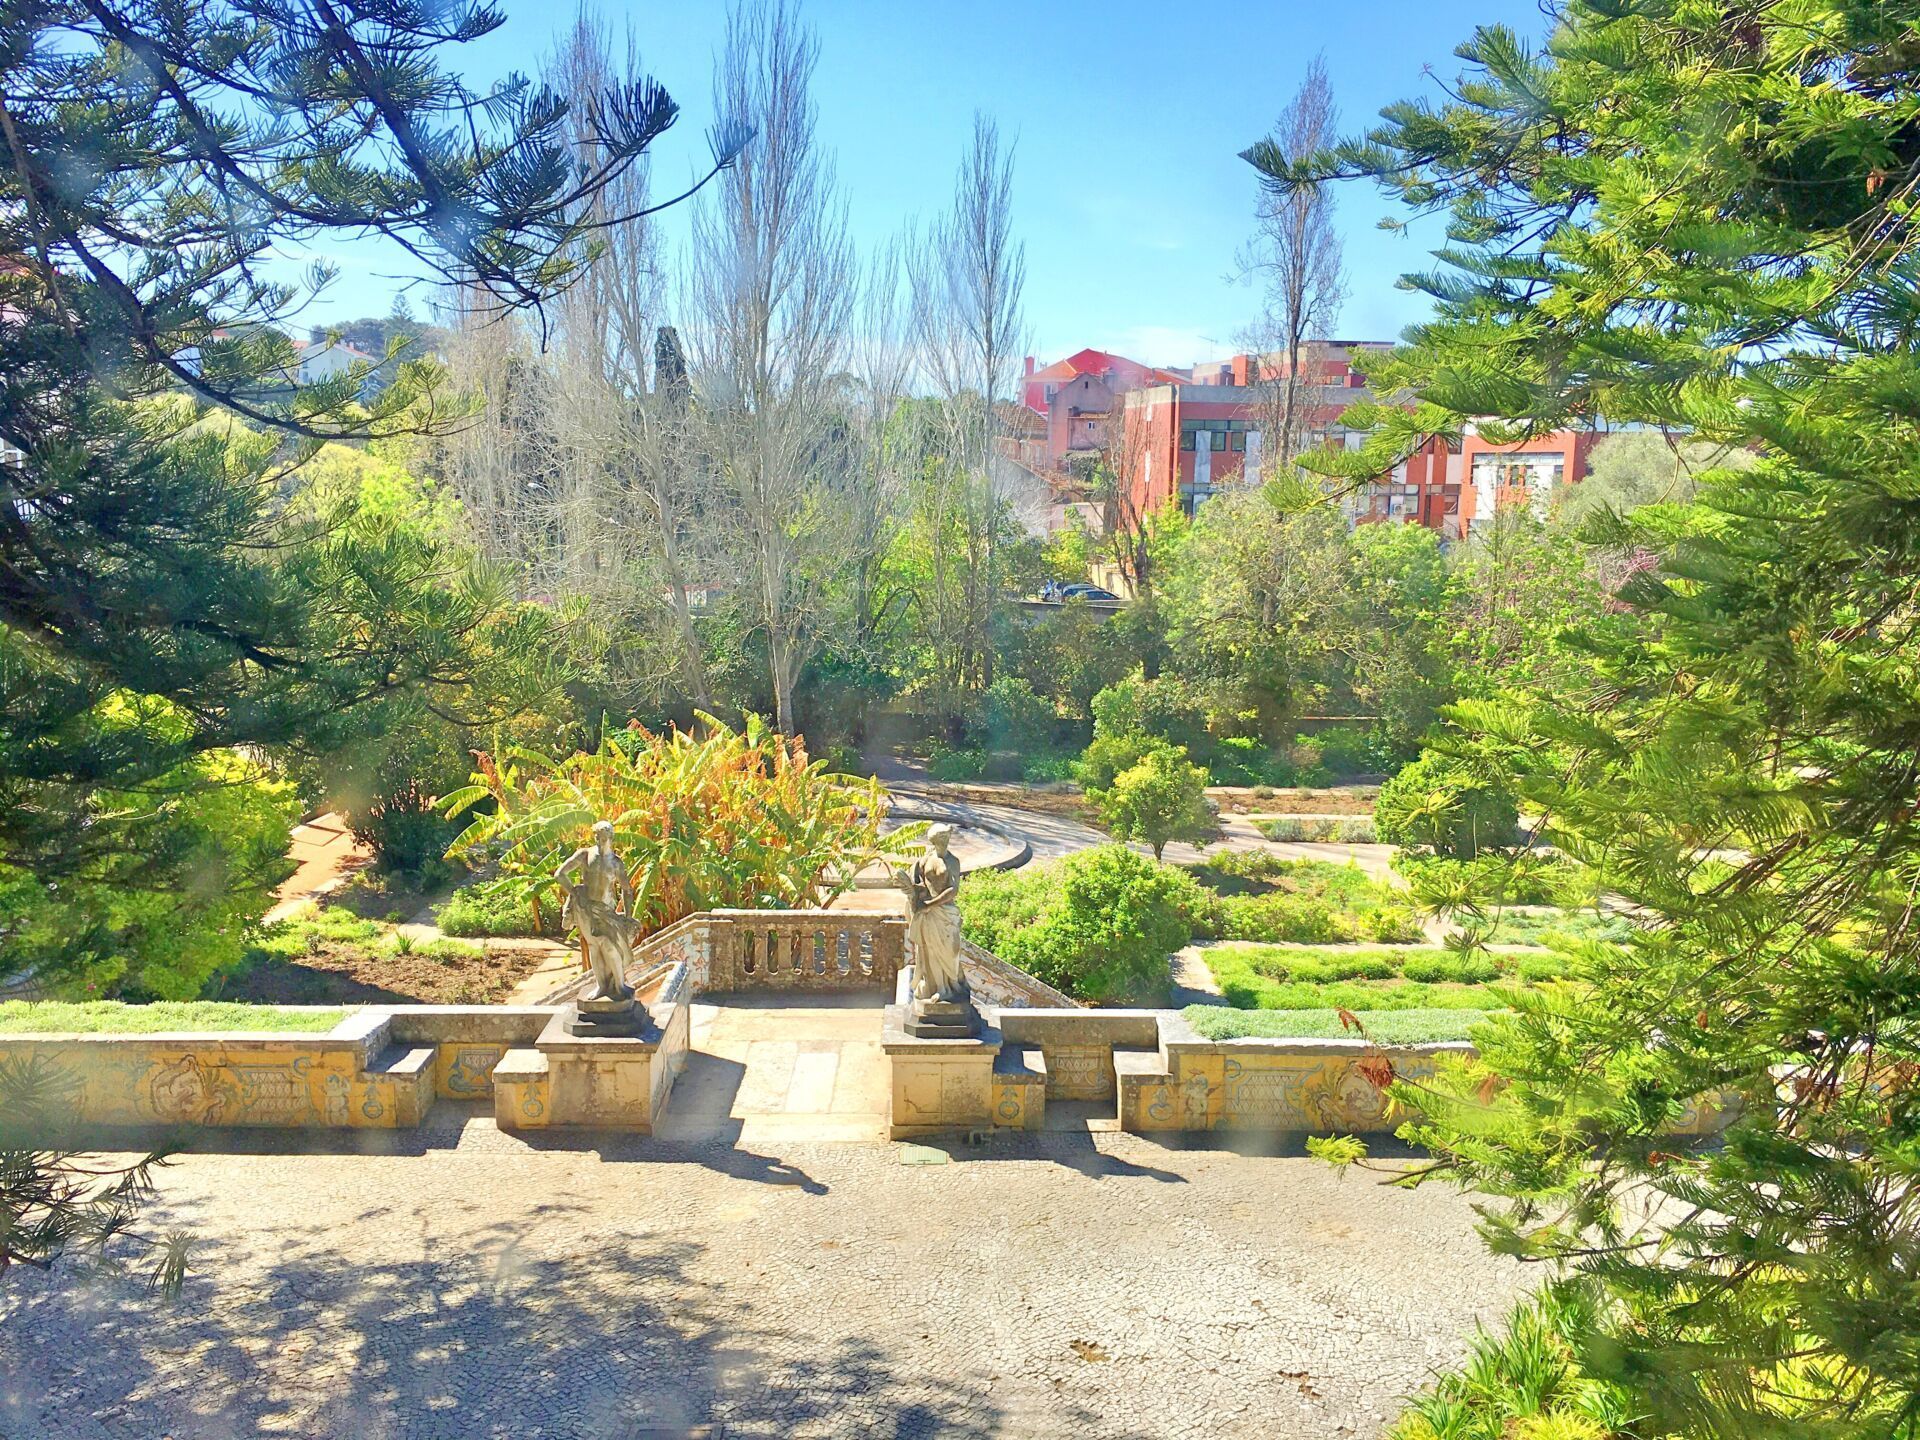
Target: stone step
[[403, 1061]]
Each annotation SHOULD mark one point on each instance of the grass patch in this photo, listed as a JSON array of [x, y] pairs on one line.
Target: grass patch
[[116, 1017], [1389, 1027]]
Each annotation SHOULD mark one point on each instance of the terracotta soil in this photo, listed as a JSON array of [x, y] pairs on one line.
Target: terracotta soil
[[352, 974]]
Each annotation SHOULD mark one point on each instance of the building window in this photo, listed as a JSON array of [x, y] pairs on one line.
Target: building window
[[1535, 473]]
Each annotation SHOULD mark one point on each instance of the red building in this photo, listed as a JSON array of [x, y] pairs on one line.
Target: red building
[[1185, 441], [1118, 372], [1453, 490], [1183, 435]]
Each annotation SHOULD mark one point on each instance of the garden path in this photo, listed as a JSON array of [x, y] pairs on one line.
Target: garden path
[[325, 854], [1052, 836], [461, 1281], [776, 1068]]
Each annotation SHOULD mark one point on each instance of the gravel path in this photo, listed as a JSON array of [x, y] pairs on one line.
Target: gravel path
[[461, 1282], [1053, 836]]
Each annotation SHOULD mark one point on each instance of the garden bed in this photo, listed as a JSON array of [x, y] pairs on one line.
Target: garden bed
[[330, 955], [1318, 829], [116, 1017], [1273, 800]]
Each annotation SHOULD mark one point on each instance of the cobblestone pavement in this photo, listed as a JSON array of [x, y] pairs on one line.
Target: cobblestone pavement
[[461, 1282]]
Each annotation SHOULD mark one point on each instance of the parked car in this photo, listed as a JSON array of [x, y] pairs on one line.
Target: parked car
[[1086, 592]]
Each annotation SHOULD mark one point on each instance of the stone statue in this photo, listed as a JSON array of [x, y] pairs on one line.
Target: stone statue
[[599, 905], [942, 1001]]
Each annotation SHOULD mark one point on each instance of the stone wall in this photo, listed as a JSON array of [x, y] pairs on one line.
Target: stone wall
[[347, 1078]]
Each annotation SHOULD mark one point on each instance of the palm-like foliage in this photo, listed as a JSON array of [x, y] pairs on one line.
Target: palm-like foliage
[[729, 819]]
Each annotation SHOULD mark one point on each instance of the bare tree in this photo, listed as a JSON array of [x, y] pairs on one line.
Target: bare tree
[[887, 450], [578, 472], [1296, 253], [967, 280], [772, 281], [645, 498]]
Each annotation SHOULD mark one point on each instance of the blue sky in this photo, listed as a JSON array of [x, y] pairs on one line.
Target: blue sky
[[1129, 116]]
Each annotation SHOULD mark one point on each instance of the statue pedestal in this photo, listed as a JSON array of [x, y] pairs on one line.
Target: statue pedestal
[[605, 1017], [601, 1078], [942, 1020], [940, 1085]]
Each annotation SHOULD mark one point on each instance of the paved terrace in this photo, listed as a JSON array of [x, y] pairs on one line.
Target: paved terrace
[[761, 1267]]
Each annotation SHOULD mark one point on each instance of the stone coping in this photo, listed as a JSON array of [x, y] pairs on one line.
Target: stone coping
[[530, 1024]]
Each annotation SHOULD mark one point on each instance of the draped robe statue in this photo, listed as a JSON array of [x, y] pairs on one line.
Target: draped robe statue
[[599, 905], [933, 921]]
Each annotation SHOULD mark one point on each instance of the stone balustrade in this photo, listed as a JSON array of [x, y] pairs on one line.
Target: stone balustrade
[[729, 950], [804, 949]]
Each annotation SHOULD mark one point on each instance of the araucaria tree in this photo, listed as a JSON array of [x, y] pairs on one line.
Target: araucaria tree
[[157, 605], [1700, 217]]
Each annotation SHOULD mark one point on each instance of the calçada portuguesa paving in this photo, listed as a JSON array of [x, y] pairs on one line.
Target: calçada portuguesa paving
[[741, 1274]]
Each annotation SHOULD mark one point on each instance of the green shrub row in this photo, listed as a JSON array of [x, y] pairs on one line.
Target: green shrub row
[[1307, 920], [1319, 829], [471, 911], [1283, 978]]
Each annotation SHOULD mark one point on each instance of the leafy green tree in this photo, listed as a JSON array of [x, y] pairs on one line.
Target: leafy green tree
[[1631, 468], [1516, 587], [1700, 217], [1254, 602], [1160, 798], [1099, 924], [1399, 666]]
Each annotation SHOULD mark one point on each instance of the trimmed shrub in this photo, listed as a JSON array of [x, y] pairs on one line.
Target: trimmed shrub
[[1345, 751], [1451, 970], [954, 766], [1437, 803], [1051, 766], [1279, 919], [1099, 925], [1013, 718]]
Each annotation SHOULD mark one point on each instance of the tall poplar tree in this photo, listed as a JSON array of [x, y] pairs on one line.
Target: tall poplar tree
[[1701, 217]]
